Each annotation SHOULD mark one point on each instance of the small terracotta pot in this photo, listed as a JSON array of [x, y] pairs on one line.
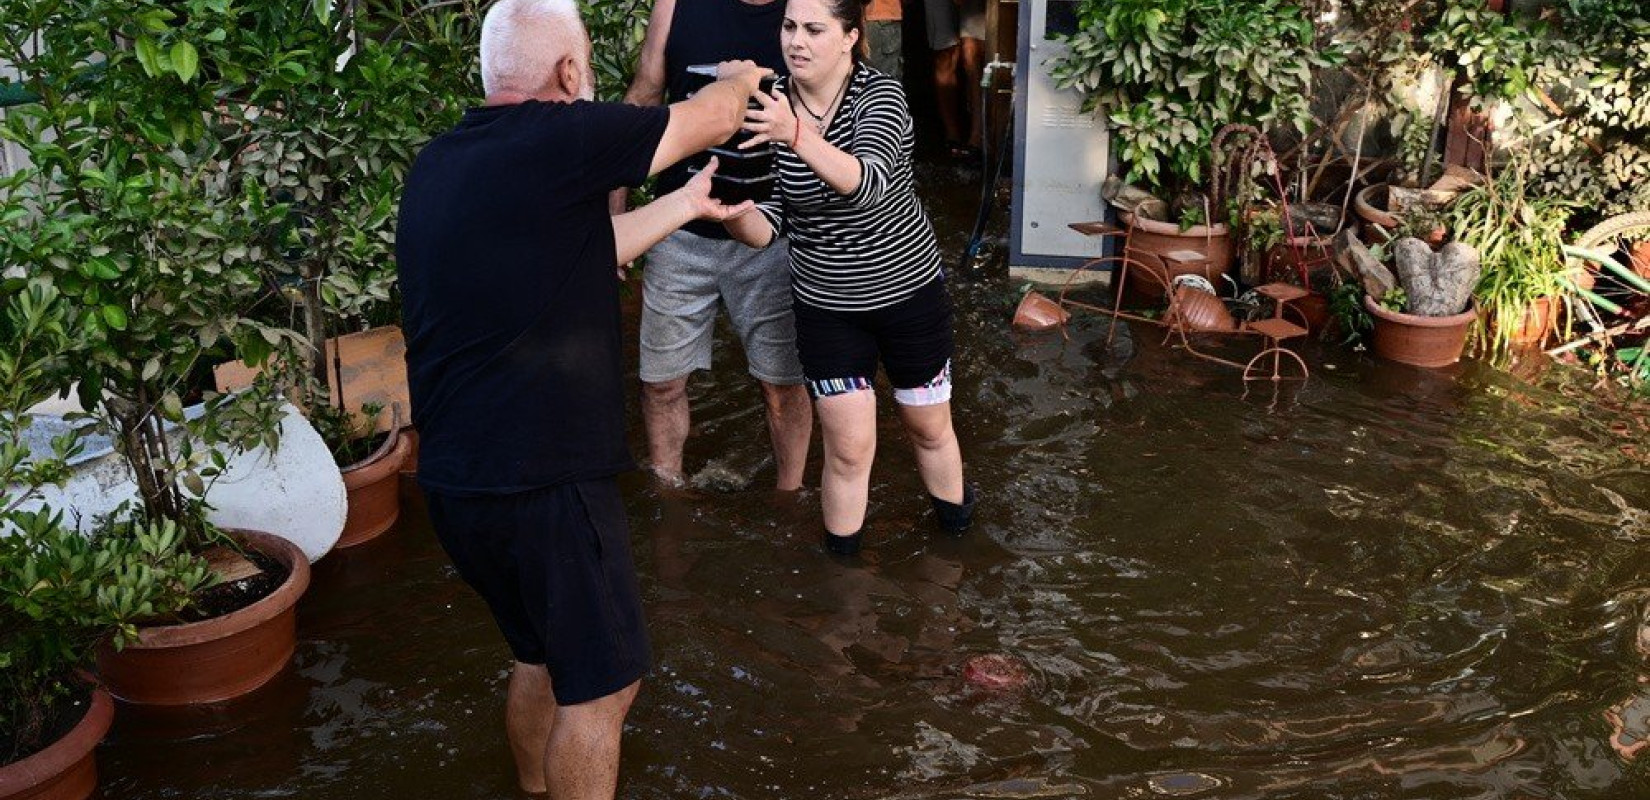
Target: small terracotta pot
[[67, 768], [1038, 313], [215, 659], [1200, 311], [1638, 254], [1283, 260], [1419, 341], [1375, 217], [1314, 307], [1150, 239], [374, 489], [1537, 321]]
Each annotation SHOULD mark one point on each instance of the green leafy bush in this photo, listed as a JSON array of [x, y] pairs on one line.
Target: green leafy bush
[[1168, 74], [63, 595]]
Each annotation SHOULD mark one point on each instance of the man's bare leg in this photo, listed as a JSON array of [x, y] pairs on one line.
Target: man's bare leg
[[529, 716], [666, 416], [946, 93], [791, 425], [582, 760]]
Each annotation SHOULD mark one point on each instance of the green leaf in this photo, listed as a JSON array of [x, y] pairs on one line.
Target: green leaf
[[148, 55], [115, 317], [185, 61]]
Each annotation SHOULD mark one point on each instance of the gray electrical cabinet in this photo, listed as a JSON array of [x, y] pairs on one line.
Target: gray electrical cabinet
[[1061, 154]]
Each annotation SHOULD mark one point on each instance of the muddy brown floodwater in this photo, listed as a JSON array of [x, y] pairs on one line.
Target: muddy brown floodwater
[[1393, 583]]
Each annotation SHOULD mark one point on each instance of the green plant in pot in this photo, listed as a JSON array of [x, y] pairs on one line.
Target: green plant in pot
[[130, 208], [1168, 75], [335, 131], [63, 594], [1519, 237]]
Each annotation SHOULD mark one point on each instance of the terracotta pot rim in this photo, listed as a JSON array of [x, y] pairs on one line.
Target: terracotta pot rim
[[1417, 321], [62, 755], [1171, 229], [1367, 210], [376, 466], [276, 603]]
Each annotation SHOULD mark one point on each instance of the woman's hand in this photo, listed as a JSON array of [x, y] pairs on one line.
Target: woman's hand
[[773, 122], [696, 193]]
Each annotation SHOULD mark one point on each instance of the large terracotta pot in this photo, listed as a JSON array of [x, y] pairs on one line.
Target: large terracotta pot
[[67, 769], [1419, 341], [374, 488], [1150, 239], [409, 467], [1536, 322], [216, 659]]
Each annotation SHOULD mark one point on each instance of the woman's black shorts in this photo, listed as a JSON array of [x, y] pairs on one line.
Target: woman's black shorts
[[911, 339], [554, 567]]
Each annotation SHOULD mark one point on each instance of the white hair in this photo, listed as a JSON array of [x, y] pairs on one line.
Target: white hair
[[523, 40]]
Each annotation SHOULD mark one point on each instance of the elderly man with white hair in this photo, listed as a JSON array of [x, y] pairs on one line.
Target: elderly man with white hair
[[507, 257]]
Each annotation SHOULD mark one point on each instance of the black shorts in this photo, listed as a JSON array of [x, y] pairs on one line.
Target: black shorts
[[554, 566], [911, 339]]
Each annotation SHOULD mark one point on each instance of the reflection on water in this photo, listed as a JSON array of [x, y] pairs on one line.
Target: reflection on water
[[1388, 583]]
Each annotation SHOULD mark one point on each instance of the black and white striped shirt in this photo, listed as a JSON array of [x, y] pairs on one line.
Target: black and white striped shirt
[[871, 248]]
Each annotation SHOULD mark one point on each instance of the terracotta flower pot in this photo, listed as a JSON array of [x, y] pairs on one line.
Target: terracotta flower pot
[[1149, 240], [1419, 341], [67, 768], [374, 488], [1638, 254], [216, 659], [1537, 321], [1038, 313], [409, 468], [1314, 308], [1198, 310], [1370, 203], [1284, 260]]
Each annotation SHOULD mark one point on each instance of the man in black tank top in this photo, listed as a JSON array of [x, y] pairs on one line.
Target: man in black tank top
[[697, 269]]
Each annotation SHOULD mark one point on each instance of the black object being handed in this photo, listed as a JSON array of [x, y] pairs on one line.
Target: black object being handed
[[740, 174]]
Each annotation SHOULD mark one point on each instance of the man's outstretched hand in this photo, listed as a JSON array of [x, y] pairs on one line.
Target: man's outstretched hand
[[696, 192]]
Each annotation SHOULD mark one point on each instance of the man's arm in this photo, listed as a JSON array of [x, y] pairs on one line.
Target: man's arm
[[711, 116], [634, 232], [648, 87]]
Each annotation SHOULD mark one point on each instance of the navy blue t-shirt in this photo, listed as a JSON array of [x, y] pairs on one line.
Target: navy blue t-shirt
[[511, 305]]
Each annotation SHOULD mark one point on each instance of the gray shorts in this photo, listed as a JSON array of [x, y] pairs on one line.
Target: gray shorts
[[947, 22], [882, 47], [687, 277]]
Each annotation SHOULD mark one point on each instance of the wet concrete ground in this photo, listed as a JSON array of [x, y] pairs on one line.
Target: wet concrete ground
[[1393, 583]]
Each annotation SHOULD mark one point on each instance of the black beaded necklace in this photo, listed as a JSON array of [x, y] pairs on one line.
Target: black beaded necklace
[[819, 119]]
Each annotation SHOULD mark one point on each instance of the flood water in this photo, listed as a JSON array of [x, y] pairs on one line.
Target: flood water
[[1392, 583]]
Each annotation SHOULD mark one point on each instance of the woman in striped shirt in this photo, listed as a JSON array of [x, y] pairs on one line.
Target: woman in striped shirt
[[865, 268]]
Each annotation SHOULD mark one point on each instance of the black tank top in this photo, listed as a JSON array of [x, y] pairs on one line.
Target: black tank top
[[706, 32]]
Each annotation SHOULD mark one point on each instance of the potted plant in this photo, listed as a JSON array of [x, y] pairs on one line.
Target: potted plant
[[336, 131], [1520, 240], [1168, 76], [1424, 319], [129, 207], [62, 594]]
